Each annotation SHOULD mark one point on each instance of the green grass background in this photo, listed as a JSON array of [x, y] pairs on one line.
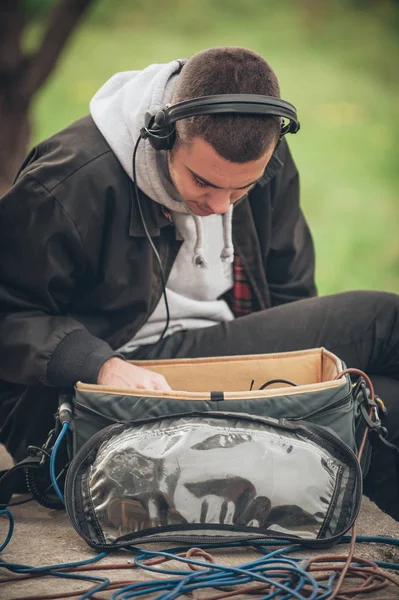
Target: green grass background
[[336, 61]]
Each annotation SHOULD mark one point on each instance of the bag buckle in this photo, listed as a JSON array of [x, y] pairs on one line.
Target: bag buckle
[[374, 423]]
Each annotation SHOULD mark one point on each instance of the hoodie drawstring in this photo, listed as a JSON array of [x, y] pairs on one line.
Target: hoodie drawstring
[[227, 254], [199, 253]]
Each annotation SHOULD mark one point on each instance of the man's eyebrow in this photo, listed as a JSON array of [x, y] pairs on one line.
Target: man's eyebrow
[[218, 186]]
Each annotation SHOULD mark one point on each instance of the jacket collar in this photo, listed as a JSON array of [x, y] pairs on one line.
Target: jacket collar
[[153, 213], [274, 165]]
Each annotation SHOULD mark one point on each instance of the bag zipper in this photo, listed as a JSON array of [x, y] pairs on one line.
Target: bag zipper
[[326, 407], [315, 431]]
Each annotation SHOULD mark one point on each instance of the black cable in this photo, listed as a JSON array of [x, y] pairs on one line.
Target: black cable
[[151, 243], [4, 506], [38, 485], [36, 492], [286, 381]]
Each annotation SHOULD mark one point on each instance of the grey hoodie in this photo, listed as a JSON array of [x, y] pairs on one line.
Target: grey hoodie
[[118, 109]]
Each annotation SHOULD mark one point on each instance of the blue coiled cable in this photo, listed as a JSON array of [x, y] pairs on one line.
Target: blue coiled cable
[[220, 575]]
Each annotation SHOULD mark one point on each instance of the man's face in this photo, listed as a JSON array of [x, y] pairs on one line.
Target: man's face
[[208, 183]]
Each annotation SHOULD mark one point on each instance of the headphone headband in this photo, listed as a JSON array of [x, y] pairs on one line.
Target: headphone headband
[[159, 128], [249, 104]]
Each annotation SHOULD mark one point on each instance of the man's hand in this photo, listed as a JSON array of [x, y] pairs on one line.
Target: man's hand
[[118, 373]]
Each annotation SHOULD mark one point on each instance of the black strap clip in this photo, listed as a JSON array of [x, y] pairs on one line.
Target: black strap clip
[[44, 452], [376, 427]]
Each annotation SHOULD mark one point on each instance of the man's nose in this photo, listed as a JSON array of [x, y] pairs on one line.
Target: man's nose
[[220, 201]]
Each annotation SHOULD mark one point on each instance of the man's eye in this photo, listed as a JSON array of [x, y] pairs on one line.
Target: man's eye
[[199, 183]]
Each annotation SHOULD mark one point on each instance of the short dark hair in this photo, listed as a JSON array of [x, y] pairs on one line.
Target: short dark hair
[[228, 70]]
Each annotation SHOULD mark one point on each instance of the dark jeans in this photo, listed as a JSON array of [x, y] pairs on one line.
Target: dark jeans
[[362, 328]]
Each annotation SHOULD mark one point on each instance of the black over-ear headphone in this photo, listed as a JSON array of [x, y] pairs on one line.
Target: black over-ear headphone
[[160, 129]]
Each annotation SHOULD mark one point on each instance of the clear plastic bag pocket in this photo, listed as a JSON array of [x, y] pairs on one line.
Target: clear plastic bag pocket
[[189, 473]]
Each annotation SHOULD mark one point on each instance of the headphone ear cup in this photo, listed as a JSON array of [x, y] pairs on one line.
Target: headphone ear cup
[[295, 127], [163, 139]]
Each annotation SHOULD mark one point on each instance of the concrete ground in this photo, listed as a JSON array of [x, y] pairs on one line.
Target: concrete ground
[[43, 537]]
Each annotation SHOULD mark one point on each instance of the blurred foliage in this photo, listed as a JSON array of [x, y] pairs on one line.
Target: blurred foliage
[[37, 9], [336, 61]]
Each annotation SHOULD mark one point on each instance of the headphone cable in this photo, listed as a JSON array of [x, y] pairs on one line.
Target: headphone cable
[[151, 244]]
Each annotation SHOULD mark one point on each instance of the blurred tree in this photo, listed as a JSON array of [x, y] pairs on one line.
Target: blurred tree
[[22, 74]]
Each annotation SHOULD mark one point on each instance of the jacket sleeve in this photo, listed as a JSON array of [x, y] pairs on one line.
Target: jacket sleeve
[[41, 260], [290, 268]]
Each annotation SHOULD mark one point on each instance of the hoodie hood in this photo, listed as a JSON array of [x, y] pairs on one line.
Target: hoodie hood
[[118, 109]]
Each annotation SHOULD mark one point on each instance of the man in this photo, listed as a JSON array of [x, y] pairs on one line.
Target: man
[[81, 287]]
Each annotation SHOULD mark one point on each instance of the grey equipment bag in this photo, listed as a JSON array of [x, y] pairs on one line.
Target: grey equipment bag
[[243, 447]]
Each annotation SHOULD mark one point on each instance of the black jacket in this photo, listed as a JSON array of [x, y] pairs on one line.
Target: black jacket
[[78, 277]]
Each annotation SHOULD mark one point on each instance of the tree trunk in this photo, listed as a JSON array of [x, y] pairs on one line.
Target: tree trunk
[[13, 110], [14, 136], [21, 76]]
